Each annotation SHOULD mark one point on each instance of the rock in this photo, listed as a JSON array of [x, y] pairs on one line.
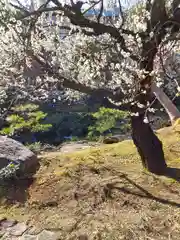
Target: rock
[[7, 236], [34, 231], [7, 223], [18, 229], [11, 150], [44, 235], [111, 139], [115, 139], [2, 232], [28, 237]]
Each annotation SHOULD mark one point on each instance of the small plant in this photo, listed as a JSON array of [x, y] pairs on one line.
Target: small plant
[[9, 171], [35, 147], [74, 139], [25, 119]]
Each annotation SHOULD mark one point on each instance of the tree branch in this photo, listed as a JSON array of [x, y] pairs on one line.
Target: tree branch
[[101, 11], [72, 84], [150, 46], [98, 28], [158, 13]]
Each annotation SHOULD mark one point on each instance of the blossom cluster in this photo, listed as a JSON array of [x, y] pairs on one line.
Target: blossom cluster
[[94, 61]]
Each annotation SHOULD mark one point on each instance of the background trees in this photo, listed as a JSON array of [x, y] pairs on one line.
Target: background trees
[[122, 61]]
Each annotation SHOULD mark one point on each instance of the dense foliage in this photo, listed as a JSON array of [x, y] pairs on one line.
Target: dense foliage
[[64, 125], [107, 121], [76, 125], [26, 119]]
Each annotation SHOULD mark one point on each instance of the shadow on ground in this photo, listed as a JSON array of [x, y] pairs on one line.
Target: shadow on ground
[[142, 192], [173, 173]]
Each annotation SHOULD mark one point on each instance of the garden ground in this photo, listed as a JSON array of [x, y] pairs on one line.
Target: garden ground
[[100, 193]]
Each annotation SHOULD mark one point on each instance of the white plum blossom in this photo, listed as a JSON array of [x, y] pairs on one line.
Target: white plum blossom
[[94, 61], [146, 120], [136, 114]]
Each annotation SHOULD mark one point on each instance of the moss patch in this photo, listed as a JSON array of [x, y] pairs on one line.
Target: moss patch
[[102, 192]]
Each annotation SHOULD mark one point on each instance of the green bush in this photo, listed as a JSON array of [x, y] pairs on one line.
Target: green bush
[[25, 118], [51, 128], [109, 120], [69, 124], [87, 125]]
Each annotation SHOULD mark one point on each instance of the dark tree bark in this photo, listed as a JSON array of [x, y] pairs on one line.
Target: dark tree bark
[[148, 145]]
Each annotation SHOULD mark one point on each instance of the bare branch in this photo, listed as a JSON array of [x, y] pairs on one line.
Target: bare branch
[[92, 6], [158, 13], [148, 9], [72, 84], [175, 5], [101, 11], [20, 8], [121, 12]]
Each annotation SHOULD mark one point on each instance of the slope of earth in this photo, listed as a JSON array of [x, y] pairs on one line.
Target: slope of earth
[[100, 193]]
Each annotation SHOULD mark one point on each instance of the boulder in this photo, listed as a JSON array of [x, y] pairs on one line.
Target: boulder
[[110, 140], [115, 139], [13, 151]]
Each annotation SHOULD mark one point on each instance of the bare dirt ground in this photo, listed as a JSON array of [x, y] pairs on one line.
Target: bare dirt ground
[[77, 146], [100, 193]]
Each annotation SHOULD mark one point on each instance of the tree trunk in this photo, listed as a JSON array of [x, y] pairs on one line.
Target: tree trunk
[[148, 145], [168, 105]]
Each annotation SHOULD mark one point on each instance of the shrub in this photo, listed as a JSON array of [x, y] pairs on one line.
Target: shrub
[[67, 124], [107, 120], [25, 119]]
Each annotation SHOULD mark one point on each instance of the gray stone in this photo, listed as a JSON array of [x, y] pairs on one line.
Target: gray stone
[[18, 229], [2, 232], [7, 236], [115, 139], [110, 140], [44, 235], [28, 237], [11, 150], [7, 223], [34, 231]]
